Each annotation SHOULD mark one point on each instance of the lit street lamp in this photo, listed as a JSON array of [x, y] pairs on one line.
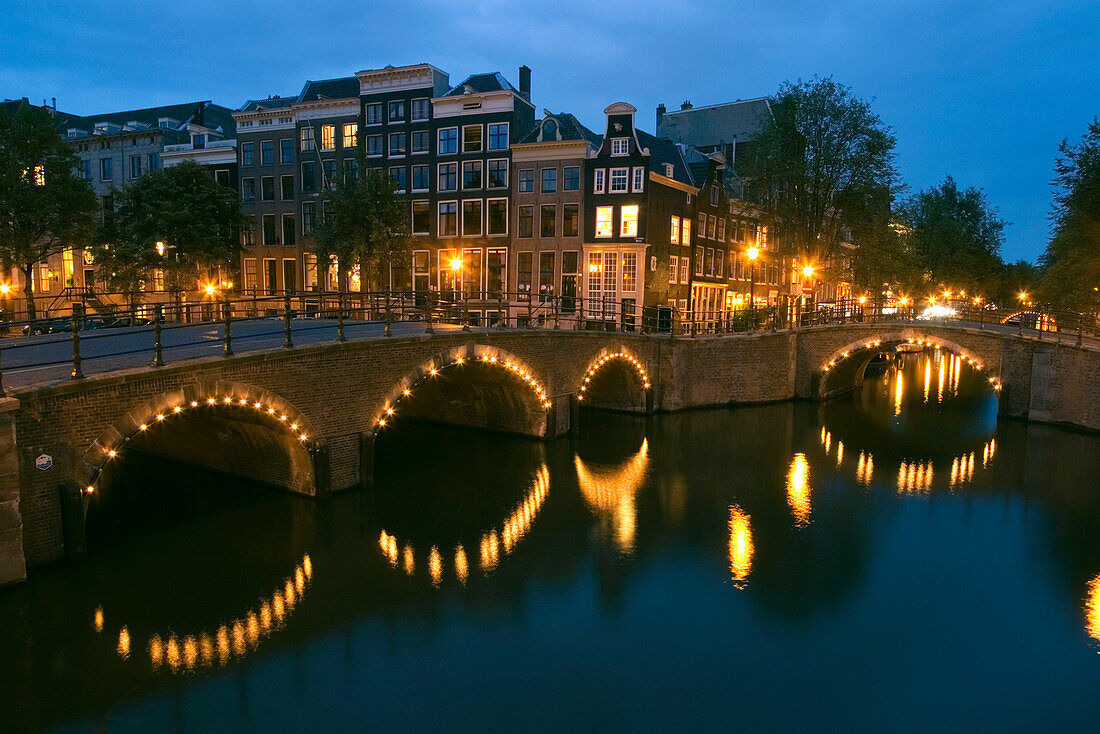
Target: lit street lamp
[[753, 253], [456, 268]]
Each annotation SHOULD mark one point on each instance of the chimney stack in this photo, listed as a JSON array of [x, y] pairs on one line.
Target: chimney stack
[[685, 105], [661, 110], [525, 82]]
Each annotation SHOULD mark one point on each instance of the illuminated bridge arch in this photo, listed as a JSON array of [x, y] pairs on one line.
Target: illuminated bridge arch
[[1034, 318], [256, 419], [502, 393], [843, 369], [624, 389]]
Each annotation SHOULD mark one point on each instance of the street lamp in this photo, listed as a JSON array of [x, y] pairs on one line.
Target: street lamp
[[753, 253], [456, 268]]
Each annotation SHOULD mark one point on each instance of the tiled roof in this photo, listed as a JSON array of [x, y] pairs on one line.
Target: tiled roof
[[341, 88], [569, 128], [478, 83], [662, 151], [271, 103], [216, 116], [715, 124]]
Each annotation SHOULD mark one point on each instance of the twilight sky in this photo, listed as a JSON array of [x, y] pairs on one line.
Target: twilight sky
[[980, 90]]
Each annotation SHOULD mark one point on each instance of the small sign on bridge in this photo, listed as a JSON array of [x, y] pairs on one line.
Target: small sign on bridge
[[43, 462]]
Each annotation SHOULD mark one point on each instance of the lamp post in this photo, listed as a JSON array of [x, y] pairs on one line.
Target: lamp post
[[456, 268], [594, 271], [753, 253]]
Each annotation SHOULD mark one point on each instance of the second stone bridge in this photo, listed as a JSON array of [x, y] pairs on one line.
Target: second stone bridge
[[306, 418]]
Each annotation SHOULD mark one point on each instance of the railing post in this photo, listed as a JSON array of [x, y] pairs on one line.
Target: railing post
[[1078, 343], [1039, 324], [465, 311], [502, 315], [227, 319], [78, 314], [2, 393], [428, 312], [387, 314], [158, 346], [557, 312], [287, 341], [340, 316]]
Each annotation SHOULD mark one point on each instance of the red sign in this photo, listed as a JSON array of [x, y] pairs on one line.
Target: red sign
[[807, 290]]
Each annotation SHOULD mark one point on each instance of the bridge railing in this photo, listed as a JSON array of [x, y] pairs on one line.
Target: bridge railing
[[155, 333]]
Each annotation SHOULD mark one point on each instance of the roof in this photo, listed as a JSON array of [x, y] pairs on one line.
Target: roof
[[721, 123], [480, 83], [275, 101], [11, 106], [662, 151], [568, 128], [341, 88], [216, 116]]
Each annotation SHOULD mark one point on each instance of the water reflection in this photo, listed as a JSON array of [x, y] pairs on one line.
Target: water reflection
[[610, 492], [740, 546], [798, 488]]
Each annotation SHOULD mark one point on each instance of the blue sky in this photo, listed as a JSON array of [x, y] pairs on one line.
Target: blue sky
[[983, 91]]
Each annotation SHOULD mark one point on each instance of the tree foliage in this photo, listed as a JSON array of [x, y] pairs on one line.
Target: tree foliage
[[957, 236], [44, 207], [1071, 262], [823, 162], [197, 219], [365, 224]]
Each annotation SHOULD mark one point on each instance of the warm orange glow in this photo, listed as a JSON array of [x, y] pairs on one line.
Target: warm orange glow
[[1092, 609], [4, 288], [456, 263], [740, 546], [808, 271], [798, 489], [210, 290], [1023, 296], [862, 300], [753, 253], [610, 491]]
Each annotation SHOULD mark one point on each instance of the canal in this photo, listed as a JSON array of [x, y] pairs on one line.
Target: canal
[[895, 559]]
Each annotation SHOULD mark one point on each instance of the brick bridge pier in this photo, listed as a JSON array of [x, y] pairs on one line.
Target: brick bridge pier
[[306, 418]]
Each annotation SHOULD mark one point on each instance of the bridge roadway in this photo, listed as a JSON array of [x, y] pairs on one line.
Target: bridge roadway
[[45, 359], [306, 418]]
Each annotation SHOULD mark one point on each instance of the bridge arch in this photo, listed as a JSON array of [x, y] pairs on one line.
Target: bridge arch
[[259, 418], [843, 369], [507, 395], [626, 389]]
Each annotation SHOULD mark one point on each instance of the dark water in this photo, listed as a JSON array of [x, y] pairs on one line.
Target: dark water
[[895, 560]]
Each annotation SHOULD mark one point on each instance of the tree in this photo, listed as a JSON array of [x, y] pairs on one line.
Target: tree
[[365, 224], [44, 207], [1071, 262], [822, 163], [195, 220], [957, 235]]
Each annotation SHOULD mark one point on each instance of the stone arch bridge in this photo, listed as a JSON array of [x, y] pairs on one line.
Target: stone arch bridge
[[306, 418]]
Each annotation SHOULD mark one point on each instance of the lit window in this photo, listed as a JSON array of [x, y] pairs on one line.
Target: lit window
[[674, 231], [674, 270], [629, 224], [630, 271], [685, 237], [604, 216], [351, 134], [620, 146], [328, 137], [618, 180]]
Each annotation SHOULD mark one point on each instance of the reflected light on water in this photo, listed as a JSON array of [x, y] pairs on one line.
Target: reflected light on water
[[233, 639], [914, 477], [865, 468], [899, 391], [798, 489], [741, 548], [1092, 609], [610, 492], [927, 378], [493, 542]]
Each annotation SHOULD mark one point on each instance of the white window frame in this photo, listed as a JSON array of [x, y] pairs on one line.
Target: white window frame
[[413, 178], [624, 231], [412, 108], [506, 217], [625, 175], [700, 258], [610, 230], [620, 146], [507, 172], [389, 144], [629, 258], [439, 148], [438, 170], [673, 270], [381, 114], [439, 215], [462, 140], [599, 179], [331, 130], [685, 270], [674, 231], [507, 135], [637, 181], [412, 219], [462, 218]]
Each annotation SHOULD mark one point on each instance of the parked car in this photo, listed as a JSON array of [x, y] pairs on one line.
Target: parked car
[[47, 326]]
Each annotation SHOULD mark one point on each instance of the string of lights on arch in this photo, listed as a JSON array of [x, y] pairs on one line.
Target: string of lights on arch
[[923, 342], [389, 408], [590, 373], [512, 531], [296, 426], [233, 639]]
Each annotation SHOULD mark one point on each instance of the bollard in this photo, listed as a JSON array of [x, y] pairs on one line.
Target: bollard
[[78, 313], [158, 346], [227, 316], [287, 341]]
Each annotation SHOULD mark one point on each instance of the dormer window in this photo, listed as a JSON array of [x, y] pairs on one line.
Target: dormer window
[[668, 170], [620, 146]]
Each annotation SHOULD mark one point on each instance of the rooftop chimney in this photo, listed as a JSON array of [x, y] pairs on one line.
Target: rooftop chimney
[[661, 110], [525, 82], [685, 105]]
